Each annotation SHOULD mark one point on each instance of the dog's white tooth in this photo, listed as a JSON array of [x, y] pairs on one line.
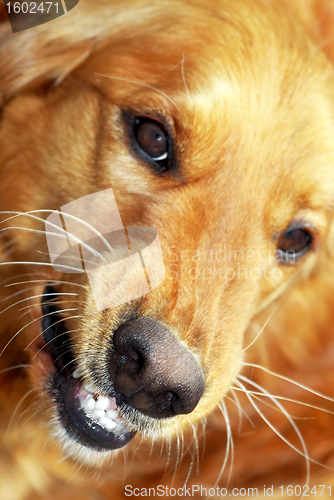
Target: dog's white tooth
[[119, 427], [107, 423], [111, 414], [102, 403], [76, 374], [89, 403], [86, 402], [98, 413]]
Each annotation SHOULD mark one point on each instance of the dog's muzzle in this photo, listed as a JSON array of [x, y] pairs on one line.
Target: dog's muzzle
[[151, 374]]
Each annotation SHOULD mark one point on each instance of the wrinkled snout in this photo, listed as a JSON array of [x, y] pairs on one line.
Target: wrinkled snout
[[154, 372]]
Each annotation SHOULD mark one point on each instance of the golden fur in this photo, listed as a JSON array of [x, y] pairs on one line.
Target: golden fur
[[249, 99]]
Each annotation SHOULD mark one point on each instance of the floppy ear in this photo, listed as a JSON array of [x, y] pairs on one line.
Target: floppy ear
[[49, 52], [38, 55]]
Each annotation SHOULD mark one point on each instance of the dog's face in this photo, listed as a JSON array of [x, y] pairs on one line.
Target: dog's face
[[214, 130]]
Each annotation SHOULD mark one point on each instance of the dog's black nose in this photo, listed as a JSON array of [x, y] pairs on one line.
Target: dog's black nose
[[156, 374]]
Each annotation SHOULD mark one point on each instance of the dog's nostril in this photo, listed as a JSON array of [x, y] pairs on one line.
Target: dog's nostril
[[133, 362], [155, 373], [166, 399], [171, 396]]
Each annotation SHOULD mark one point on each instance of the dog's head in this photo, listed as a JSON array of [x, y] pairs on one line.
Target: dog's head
[[214, 125]]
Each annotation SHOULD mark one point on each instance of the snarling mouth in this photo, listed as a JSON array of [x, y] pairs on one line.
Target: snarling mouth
[[88, 417]]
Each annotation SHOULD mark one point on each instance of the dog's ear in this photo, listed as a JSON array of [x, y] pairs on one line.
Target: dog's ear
[[49, 52], [46, 53]]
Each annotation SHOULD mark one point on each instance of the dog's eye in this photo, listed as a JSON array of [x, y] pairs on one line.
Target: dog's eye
[[292, 244], [153, 140]]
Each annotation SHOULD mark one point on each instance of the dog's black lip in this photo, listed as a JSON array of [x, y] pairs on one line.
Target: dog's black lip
[[64, 388], [79, 427], [56, 338]]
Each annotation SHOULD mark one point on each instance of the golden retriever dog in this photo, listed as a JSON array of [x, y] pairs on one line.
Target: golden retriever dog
[[212, 122]]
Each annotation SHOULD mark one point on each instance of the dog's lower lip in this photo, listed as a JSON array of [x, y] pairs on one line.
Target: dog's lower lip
[[80, 426], [69, 392]]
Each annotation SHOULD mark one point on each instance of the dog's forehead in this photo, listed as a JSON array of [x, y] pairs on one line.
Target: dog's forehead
[[239, 80], [246, 99]]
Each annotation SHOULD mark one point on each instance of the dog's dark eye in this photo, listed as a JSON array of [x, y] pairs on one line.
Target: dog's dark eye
[[292, 244], [153, 140]]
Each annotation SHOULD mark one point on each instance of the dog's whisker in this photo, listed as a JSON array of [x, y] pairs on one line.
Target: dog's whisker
[[187, 449], [17, 293], [23, 398], [30, 409], [150, 452], [53, 324], [286, 414], [178, 455], [67, 258], [236, 402], [9, 252], [265, 324], [67, 233], [271, 406], [169, 455], [50, 341], [230, 439], [54, 303], [33, 415], [279, 304], [291, 381], [67, 364], [22, 275], [183, 76], [26, 312], [57, 235], [42, 264], [184, 449], [8, 243], [78, 467], [203, 423], [229, 444], [197, 452], [35, 297], [15, 367], [46, 280], [162, 446], [127, 80], [47, 441], [283, 398], [303, 452], [194, 455], [191, 464], [28, 324]]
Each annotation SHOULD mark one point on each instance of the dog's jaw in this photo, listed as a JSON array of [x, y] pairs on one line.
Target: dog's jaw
[[92, 419], [87, 416]]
